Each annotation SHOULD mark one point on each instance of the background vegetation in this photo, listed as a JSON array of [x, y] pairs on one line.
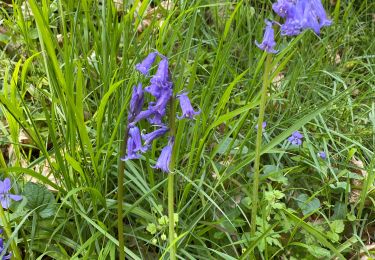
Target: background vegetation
[[67, 71]]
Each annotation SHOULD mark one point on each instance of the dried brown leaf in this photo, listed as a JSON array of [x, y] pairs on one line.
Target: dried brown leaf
[[337, 58], [277, 80], [151, 14], [45, 170], [355, 194]]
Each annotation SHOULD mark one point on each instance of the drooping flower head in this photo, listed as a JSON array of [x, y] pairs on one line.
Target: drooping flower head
[[165, 158], [294, 19], [283, 7], [145, 114], [134, 144], [131, 154], [160, 106], [186, 107], [156, 117], [161, 76], [309, 18], [296, 138], [154, 89], [268, 42], [148, 138], [320, 13], [301, 15], [136, 102], [161, 89], [5, 196], [145, 65]]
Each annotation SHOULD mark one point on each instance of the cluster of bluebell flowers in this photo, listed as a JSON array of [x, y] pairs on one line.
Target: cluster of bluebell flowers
[[161, 88], [298, 15], [6, 256], [5, 196]]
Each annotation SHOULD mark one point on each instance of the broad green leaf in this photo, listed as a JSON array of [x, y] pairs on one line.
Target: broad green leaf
[[319, 252], [339, 210], [40, 199], [340, 186], [306, 205], [337, 226]]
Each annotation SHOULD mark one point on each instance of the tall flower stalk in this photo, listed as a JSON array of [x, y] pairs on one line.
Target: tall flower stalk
[[298, 16], [171, 231], [258, 144], [120, 200]]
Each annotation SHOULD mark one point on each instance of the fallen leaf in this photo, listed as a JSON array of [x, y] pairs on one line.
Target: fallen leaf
[[151, 14], [45, 170], [355, 193]]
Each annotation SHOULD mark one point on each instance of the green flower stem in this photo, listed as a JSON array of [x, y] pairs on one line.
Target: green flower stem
[[120, 198], [15, 251], [172, 125], [262, 107]]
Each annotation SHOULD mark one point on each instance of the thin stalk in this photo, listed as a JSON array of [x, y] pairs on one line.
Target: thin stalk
[[172, 125], [3, 164], [120, 197], [262, 107], [15, 251], [337, 11]]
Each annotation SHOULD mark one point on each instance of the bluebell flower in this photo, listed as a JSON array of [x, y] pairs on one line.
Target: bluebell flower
[[134, 144], [5, 196], [268, 42], [135, 134], [161, 88], [161, 103], [145, 65], [322, 155], [310, 20], [131, 153], [283, 7], [164, 159], [136, 102], [294, 19], [148, 138], [156, 117], [5, 257], [161, 76], [301, 15], [154, 89], [296, 138], [320, 13], [143, 115], [186, 107]]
